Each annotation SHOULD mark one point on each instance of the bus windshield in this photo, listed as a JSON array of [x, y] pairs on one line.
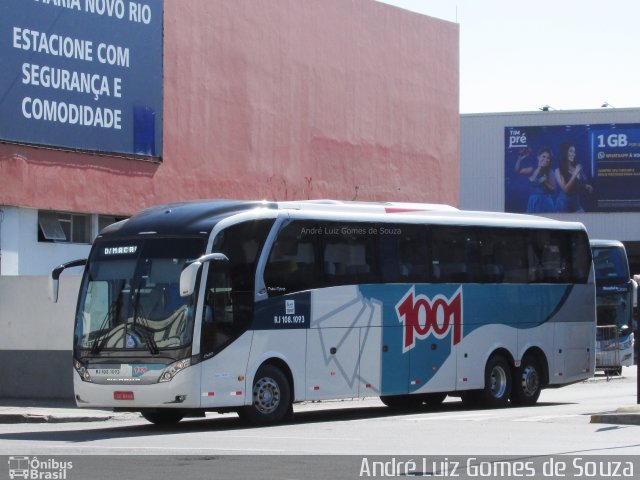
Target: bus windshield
[[610, 265], [129, 298]]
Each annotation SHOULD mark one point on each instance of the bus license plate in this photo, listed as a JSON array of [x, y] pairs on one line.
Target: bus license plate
[[123, 395]]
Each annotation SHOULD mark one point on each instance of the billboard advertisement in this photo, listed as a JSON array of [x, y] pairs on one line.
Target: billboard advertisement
[[82, 74], [572, 168]]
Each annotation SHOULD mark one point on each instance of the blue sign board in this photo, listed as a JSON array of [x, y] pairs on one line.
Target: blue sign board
[[82, 74], [572, 168]]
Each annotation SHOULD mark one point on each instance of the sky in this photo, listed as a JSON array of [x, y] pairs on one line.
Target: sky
[[523, 55]]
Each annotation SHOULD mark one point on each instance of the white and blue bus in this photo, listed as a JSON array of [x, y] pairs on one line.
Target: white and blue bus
[[615, 293], [252, 306]]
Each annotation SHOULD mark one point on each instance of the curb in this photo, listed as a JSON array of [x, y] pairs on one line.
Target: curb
[[8, 418], [622, 416], [617, 418]]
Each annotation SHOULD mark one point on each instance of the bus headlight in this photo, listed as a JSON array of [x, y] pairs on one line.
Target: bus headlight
[[82, 371], [171, 370]]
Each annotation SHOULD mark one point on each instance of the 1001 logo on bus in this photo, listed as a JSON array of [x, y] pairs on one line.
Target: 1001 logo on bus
[[423, 316]]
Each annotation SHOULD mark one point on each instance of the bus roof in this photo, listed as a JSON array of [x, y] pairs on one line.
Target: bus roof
[[427, 212], [185, 218], [355, 206], [598, 242], [199, 217]]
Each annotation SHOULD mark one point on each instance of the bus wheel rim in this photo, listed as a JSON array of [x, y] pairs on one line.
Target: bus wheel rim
[[498, 382], [530, 381], [266, 395]]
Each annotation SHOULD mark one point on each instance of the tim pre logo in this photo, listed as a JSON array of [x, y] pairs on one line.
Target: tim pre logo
[[423, 316]]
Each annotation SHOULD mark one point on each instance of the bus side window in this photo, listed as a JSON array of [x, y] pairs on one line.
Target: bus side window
[[345, 263], [348, 254], [229, 293], [291, 266], [450, 254], [548, 257], [403, 253], [490, 268], [511, 255], [413, 253], [218, 327], [580, 257]]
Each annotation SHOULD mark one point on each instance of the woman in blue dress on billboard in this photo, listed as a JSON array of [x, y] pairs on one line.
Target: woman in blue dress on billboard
[[541, 199], [572, 180]]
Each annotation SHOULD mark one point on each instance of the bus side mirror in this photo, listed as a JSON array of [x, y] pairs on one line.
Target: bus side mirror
[[189, 275], [188, 278], [54, 285], [54, 279]]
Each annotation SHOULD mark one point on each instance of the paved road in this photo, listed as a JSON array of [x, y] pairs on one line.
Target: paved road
[[559, 424], [339, 440]]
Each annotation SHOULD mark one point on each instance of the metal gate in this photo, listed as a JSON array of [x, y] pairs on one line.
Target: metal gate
[[608, 349]]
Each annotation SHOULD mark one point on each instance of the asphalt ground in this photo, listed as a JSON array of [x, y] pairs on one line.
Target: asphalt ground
[[65, 411]]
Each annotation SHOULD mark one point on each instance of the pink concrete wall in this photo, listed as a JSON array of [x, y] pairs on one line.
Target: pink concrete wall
[[278, 99]]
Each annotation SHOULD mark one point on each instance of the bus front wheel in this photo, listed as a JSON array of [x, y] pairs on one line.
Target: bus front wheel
[[271, 398], [163, 417]]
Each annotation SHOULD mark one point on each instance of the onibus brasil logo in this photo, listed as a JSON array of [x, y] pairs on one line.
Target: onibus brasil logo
[[37, 469], [423, 316]]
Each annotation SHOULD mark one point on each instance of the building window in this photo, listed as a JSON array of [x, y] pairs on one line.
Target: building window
[[105, 220], [64, 227]]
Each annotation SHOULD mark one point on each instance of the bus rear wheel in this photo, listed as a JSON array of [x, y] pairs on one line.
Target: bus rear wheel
[[163, 417], [272, 402], [527, 383]]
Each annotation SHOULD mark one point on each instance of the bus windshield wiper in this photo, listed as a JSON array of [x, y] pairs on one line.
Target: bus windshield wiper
[[103, 330], [144, 331]]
